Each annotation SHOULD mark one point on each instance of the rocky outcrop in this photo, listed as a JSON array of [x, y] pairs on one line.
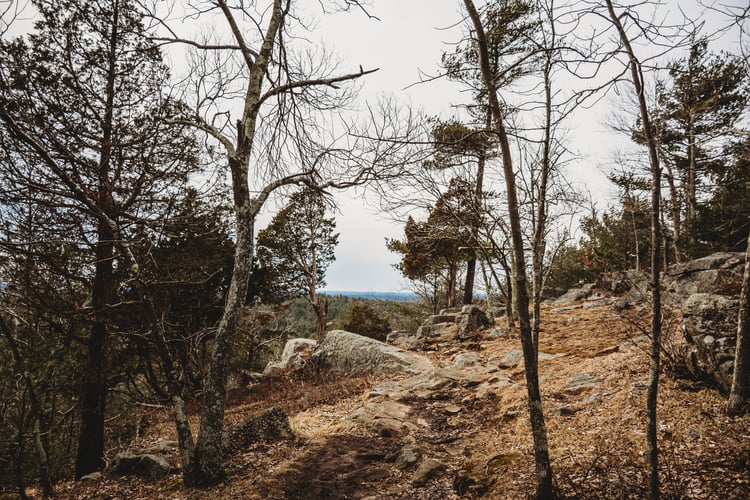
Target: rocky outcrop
[[402, 338], [351, 354], [709, 323], [705, 291], [461, 324], [718, 274], [472, 320], [574, 295], [438, 326], [386, 418]]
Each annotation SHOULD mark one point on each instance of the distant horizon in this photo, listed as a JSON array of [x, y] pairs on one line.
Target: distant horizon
[[405, 296]]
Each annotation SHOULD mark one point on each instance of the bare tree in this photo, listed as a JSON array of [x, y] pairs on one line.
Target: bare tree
[[739, 396], [539, 430], [637, 79], [275, 142], [740, 391]]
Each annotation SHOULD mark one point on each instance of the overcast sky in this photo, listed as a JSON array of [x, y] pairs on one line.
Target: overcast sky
[[406, 42], [408, 39]]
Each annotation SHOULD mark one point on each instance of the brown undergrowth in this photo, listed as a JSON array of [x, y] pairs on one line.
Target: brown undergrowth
[[597, 434]]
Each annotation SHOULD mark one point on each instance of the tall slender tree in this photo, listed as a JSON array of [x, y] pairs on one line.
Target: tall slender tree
[[739, 396], [639, 85], [695, 117], [521, 298], [455, 141], [274, 142]]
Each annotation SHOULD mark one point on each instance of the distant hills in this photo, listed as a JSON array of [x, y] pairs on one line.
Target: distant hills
[[393, 296]]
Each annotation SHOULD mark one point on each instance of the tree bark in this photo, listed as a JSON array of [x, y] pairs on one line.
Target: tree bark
[[90, 457], [539, 240], [322, 313], [207, 467], [471, 265], [653, 382], [691, 195], [679, 255], [739, 395], [539, 430]]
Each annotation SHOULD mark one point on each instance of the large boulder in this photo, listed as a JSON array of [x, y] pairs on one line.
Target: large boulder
[[145, 465], [574, 295], [710, 327], [386, 418], [294, 355], [471, 320], [441, 325], [706, 292], [719, 274], [355, 355], [272, 425], [430, 384], [403, 338]]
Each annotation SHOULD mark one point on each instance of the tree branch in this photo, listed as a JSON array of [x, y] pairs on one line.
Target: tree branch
[[198, 45], [247, 54], [201, 124], [331, 82]]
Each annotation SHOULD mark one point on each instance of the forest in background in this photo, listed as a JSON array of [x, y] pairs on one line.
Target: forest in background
[[133, 271]]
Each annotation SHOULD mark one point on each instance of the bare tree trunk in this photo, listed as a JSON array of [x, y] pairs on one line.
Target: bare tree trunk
[[90, 457], [636, 240], [679, 255], [320, 306], [510, 309], [184, 434], [207, 467], [691, 194], [653, 383], [471, 270], [539, 241], [739, 395], [451, 286], [471, 265], [539, 430]]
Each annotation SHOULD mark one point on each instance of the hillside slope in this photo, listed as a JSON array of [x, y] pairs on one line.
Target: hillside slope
[[472, 436]]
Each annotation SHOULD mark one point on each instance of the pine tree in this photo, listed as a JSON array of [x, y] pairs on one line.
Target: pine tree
[[695, 115]]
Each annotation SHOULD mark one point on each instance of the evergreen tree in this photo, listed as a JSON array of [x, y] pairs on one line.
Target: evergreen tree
[[438, 246], [84, 133], [695, 116], [182, 285], [723, 219], [295, 250], [455, 142], [365, 320]]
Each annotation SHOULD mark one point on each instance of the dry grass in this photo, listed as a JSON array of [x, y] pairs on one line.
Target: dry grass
[[597, 435]]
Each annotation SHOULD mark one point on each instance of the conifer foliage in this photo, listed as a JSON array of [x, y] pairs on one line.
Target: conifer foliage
[[295, 250], [85, 134]]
